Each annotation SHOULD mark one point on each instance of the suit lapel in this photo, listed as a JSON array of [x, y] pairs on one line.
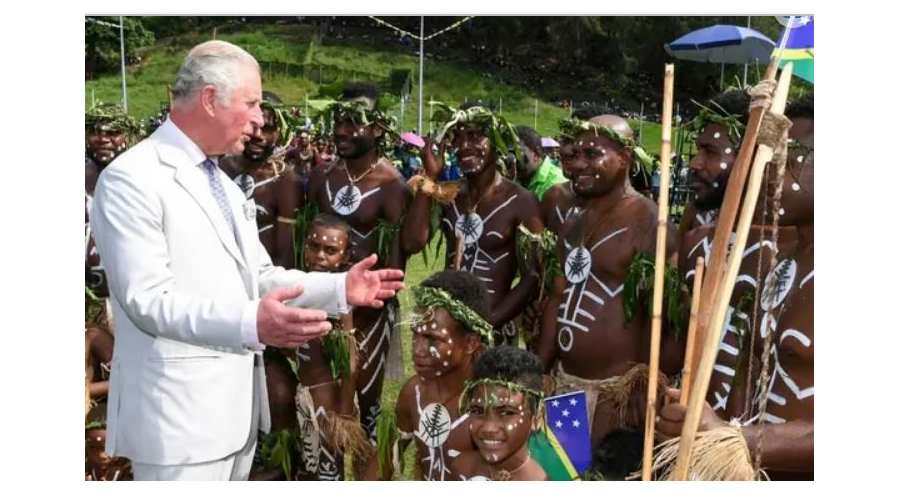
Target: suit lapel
[[246, 229], [195, 183]]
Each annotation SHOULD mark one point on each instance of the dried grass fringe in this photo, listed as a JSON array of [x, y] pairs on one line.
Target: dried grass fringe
[[720, 454]]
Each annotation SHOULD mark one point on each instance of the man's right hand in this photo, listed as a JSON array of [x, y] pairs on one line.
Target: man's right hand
[[278, 325], [433, 164]]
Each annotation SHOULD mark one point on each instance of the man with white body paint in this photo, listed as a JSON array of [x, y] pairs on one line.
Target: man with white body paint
[[787, 319]]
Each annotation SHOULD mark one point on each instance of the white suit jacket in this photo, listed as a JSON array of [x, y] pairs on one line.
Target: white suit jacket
[[182, 376]]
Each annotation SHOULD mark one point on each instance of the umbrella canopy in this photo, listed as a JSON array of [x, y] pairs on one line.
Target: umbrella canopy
[[799, 50], [548, 142], [722, 43], [413, 139]]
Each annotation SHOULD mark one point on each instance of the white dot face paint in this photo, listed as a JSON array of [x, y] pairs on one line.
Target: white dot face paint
[[715, 184], [728, 151], [520, 420], [433, 326], [591, 144], [799, 159], [509, 427], [723, 165], [434, 352], [717, 135], [449, 341], [581, 143], [446, 363], [795, 186], [438, 374], [449, 352], [780, 211], [444, 330]]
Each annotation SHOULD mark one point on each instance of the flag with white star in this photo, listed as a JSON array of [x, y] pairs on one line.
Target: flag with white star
[[567, 419]]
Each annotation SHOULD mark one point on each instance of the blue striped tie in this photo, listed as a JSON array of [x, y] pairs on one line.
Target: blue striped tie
[[218, 192]]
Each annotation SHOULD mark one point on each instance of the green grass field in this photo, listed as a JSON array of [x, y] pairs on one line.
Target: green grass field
[[279, 48]]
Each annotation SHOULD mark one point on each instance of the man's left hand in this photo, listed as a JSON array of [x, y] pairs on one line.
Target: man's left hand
[[671, 417], [369, 288]]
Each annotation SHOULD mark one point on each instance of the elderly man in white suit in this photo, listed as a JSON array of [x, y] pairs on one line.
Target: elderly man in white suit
[[186, 270]]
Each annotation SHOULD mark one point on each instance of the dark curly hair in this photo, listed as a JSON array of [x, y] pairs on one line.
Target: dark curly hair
[[619, 454], [464, 287], [734, 101], [332, 222], [530, 138], [510, 364]]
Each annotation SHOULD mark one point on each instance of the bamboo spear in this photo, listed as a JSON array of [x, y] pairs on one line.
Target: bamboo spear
[[728, 212], [692, 333], [662, 221], [723, 294]]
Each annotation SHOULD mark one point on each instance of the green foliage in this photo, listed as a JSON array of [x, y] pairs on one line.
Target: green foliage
[[385, 234], [276, 449], [540, 248], [102, 47], [305, 215], [386, 437], [639, 290], [337, 349]]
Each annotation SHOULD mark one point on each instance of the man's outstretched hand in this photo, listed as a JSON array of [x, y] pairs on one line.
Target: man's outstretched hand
[[369, 288], [279, 325]]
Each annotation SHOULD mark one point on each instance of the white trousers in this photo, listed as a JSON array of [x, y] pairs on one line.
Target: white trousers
[[234, 467]]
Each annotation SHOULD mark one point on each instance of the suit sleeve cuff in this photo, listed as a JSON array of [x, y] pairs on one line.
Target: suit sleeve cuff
[[341, 294], [249, 335]]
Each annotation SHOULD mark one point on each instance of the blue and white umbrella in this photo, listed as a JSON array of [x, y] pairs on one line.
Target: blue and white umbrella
[[722, 44]]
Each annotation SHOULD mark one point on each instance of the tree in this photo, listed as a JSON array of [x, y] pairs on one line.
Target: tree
[[102, 46]]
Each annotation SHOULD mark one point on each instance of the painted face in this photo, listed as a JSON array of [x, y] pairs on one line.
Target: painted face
[[440, 345], [235, 121], [351, 140], [95, 444], [499, 423], [598, 165], [103, 146], [473, 148], [262, 142], [326, 249], [797, 185], [711, 166]]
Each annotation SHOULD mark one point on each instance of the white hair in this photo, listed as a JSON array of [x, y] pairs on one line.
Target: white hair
[[215, 63]]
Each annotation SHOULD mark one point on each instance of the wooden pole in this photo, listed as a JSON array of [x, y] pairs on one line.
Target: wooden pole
[[727, 216], [723, 295], [692, 332], [460, 245], [662, 221]]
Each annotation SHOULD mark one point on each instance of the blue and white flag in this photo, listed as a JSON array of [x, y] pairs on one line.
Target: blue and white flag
[[567, 419]]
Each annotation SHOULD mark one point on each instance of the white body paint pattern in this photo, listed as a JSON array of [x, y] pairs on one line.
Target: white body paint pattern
[[563, 217], [731, 334], [375, 346], [778, 285], [348, 198], [249, 185], [475, 260], [706, 218], [435, 426], [571, 317]]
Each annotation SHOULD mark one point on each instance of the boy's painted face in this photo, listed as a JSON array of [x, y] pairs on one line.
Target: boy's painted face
[[326, 249], [500, 422], [440, 345]]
